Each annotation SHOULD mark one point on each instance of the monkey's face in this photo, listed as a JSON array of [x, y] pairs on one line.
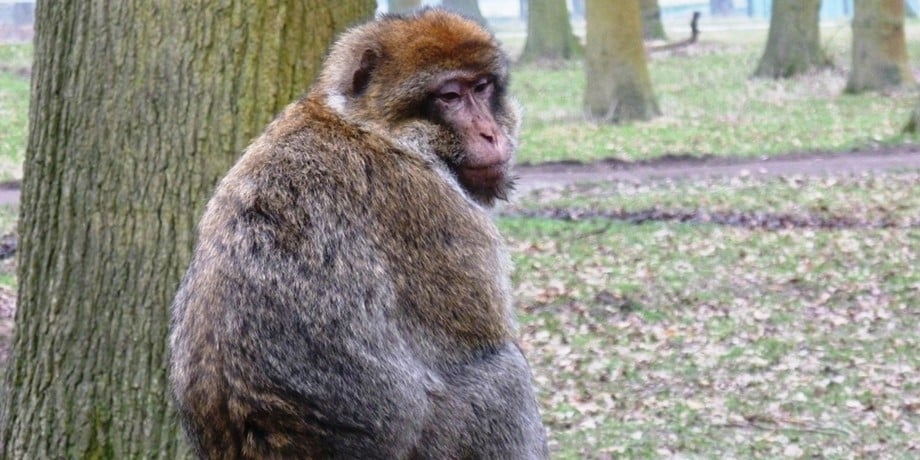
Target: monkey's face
[[434, 81], [464, 102]]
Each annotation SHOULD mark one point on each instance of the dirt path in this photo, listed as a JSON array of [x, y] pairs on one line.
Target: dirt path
[[557, 175], [560, 174]]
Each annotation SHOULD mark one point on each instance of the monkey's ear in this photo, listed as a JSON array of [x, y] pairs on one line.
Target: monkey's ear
[[362, 76]]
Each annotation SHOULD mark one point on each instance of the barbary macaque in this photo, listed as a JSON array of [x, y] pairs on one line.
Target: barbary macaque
[[349, 295]]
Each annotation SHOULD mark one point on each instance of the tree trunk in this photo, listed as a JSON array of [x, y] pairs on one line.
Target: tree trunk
[[403, 6], [618, 84], [913, 123], [794, 40], [549, 33], [137, 109], [879, 47], [468, 8], [652, 29]]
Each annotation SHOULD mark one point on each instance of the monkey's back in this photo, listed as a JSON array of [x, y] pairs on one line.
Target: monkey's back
[[343, 302]]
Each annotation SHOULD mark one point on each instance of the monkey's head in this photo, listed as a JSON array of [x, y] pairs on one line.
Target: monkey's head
[[435, 83]]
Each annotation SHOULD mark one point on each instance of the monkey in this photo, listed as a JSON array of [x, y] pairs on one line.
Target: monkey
[[349, 294]]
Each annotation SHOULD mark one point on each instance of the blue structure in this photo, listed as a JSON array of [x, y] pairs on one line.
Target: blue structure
[[760, 9], [830, 9]]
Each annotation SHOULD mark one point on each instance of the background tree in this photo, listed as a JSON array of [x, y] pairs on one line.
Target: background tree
[[549, 32], [133, 119], [794, 40], [468, 8], [619, 87], [403, 6], [652, 28], [913, 123], [879, 47]]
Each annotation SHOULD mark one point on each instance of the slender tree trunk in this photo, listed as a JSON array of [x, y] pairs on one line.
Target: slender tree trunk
[[549, 32], [138, 107], [403, 6], [468, 8], [879, 47], [619, 87], [794, 40], [652, 29], [913, 123]]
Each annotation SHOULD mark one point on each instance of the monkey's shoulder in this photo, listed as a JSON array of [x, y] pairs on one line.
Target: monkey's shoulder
[[310, 158]]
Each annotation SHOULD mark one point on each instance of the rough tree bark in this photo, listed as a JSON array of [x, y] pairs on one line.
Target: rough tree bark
[[879, 47], [794, 40], [619, 87], [549, 33], [138, 107], [652, 28]]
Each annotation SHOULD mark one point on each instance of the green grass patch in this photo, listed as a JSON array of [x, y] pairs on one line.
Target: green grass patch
[[15, 61], [706, 341], [711, 106], [16, 56], [879, 198]]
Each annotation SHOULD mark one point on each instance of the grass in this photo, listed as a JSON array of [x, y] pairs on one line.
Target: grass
[[16, 56], [673, 339], [870, 198], [711, 106], [15, 60]]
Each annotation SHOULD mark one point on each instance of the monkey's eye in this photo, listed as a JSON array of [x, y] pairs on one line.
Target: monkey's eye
[[482, 85], [449, 96]]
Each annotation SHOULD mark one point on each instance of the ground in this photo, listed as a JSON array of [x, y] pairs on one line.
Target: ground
[[560, 174]]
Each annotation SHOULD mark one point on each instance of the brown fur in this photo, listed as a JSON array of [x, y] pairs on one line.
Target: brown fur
[[347, 297]]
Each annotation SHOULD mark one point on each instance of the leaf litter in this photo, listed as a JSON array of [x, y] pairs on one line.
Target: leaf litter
[[676, 337]]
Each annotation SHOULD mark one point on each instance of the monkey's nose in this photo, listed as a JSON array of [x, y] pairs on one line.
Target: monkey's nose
[[488, 137]]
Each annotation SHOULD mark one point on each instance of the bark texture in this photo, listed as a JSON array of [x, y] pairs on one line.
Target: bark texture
[[652, 28], [138, 107], [549, 33], [619, 87], [794, 40], [879, 47]]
